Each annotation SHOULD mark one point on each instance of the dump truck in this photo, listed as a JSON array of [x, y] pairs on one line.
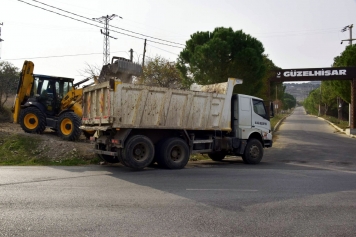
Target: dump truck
[[138, 125]]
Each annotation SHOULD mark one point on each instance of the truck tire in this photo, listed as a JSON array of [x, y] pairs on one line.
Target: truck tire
[[253, 152], [217, 156], [68, 126], [120, 156], [138, 152], [32, 120], [173, 153]]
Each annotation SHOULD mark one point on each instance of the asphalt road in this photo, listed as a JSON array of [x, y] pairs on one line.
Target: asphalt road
[[305, 186]]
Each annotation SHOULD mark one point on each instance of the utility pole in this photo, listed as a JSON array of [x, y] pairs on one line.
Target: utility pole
[[106, 33], [131, 54], [144, 54], [350, 29]]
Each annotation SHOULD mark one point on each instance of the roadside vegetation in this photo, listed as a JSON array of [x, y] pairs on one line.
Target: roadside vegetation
[[27, 149], [332, 100]]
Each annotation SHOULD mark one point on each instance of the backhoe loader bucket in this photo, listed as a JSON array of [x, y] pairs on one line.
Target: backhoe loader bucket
[[121, 68]]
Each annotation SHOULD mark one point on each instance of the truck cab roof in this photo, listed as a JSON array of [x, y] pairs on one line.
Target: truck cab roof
[[53, 77]]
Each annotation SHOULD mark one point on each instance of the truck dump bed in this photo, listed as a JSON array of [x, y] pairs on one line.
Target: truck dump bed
[[122, 105]]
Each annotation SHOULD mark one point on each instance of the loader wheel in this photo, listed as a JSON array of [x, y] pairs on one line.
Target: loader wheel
[[253, 152], [138, 152], [68, 126], [32, 120], [173, 153], [217, 156]]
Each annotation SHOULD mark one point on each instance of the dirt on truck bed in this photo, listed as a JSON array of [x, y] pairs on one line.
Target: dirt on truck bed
[[49, 144]]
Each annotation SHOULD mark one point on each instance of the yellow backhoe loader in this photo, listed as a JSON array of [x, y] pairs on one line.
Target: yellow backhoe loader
[[46, 101]]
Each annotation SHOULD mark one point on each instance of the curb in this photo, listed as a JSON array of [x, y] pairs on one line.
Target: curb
[[336, 127]]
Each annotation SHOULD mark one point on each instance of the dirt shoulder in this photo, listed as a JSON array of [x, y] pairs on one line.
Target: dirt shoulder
[[49, 145]]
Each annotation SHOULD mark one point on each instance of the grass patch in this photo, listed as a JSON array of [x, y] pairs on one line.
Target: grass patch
[[197, 156], [340, 123], [25, 150]]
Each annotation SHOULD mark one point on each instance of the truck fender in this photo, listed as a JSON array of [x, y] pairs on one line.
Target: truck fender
[[257, 136]]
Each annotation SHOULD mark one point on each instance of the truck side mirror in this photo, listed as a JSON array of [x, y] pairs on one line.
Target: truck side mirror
[[271, 113]]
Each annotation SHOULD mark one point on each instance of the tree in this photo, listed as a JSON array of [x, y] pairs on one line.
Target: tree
[[162, 73], [343, 88], [213, 57], [289, 101], [328, 95], [9, 78], [264, 93], [312, 101]]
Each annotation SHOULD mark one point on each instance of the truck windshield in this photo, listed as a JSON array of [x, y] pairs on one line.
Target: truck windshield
[[259, 108]]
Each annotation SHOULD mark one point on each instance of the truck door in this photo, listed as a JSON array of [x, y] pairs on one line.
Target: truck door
[[260, 118], [245, 112]]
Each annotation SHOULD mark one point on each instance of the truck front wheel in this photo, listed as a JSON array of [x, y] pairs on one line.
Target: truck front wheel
[[173, 153], [253, 152], [138, 152]]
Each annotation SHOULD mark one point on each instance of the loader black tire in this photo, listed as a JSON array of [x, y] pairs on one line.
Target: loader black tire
[[173, 153], [32, 120], [68, 126], [253, 152], [217, 156], [138, 152]]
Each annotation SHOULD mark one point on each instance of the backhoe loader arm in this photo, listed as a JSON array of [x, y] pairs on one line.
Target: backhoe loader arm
[[24, 88]]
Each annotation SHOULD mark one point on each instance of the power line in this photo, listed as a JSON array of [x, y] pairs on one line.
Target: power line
[[97, 25], [59, 56], [109, 25], [163, 50]]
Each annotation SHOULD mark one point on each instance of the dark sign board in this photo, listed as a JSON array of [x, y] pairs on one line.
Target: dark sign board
[[314, 74]]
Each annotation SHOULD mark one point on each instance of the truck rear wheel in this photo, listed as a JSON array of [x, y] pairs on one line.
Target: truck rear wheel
[[138, 152], [217, 156], [253, 152], [68, 126], [32, 120], [173, 153]]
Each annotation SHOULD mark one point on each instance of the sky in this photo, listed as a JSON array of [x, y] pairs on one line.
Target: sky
[[294, 33]]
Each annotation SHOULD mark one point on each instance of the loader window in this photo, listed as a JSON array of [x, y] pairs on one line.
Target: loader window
[[34, 87], [45, 85], [259, 108], [66, 87]]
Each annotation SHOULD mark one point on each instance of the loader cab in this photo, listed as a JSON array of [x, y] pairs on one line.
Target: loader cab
[[49, 91]]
